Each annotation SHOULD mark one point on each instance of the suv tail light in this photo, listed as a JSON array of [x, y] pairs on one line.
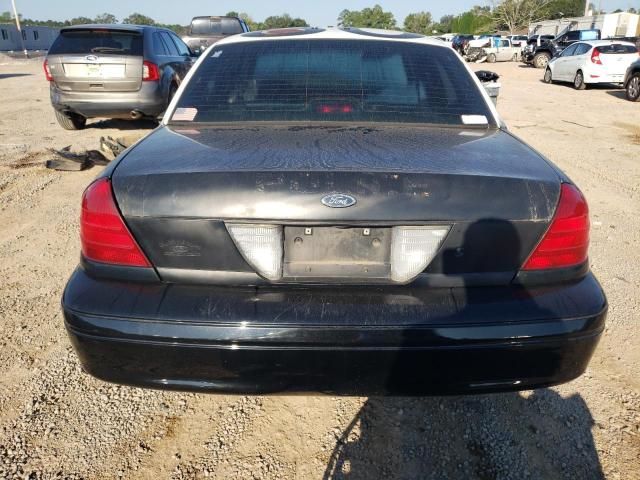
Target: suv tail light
[[47, 72], [150, 72], [566, 242], [104, 236], [595, 57]]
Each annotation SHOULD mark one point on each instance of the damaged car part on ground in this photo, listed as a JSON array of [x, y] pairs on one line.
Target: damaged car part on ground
[[368, 227]]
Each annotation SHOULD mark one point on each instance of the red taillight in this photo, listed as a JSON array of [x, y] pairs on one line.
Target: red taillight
[[47, 72], [567, 240], [595, 57], [104, 236], [150, 72]]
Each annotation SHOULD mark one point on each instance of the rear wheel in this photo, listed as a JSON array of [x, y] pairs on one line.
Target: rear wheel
[[548, 78], [70, 121], [491, 58], [540, 60], [633, 87], [578, 81]]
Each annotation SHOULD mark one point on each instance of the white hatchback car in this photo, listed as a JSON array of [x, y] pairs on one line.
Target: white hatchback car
[[597, 61]]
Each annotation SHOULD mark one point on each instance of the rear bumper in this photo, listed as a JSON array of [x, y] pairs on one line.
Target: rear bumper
[[596, 77], [374, 341], [149, 100]]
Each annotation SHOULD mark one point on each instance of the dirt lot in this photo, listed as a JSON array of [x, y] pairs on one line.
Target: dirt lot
[[56, 422]]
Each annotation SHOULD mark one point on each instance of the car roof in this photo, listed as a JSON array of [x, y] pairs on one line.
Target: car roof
[[332, 33], [111, 26], [597, 43]]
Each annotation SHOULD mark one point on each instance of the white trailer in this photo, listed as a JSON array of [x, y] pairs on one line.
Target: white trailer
[[622, 24]]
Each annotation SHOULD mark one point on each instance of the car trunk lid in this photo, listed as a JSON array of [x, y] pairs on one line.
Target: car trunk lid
[[490, 193]]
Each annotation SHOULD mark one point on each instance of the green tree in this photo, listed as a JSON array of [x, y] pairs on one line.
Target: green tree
[[472, 23], [564, 8], [367, 18], [444, 25], [5, 17], [282, 21], [139, 19], [80, 21], [420, 22], [105, 18], [231, 14]]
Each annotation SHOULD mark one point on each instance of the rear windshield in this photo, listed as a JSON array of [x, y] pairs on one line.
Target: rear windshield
[[616, 48], [97, 41], [215, 26], [332, 80]]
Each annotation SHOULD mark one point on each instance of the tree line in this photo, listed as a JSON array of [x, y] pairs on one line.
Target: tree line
[[499, 15]]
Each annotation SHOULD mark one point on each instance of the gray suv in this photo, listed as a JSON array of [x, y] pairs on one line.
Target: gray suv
[[114, 71]]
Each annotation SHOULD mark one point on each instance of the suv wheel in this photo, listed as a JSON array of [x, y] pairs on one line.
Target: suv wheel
[[540, 60], [548, 78], [578, 81], [70, 121], [633, 87], [491, 58]]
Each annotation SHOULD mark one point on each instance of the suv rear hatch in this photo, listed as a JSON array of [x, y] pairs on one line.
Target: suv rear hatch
[[615, 57], [97, 59]]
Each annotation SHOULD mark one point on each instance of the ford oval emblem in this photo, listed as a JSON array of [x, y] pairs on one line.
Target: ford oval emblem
[[338, 200], [91, 58]]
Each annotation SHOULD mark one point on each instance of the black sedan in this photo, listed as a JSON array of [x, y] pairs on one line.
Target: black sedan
[[338, 211]]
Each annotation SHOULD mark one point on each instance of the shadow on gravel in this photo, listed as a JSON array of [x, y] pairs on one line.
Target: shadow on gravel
[[124, 124], [11, 75], [621, 94], [532, 434], [516, 435]]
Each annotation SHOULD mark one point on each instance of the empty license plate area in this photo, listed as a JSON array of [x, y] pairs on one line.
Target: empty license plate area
[[320, 253]]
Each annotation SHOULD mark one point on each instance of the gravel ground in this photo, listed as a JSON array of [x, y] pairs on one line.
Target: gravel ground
[[57, 422]]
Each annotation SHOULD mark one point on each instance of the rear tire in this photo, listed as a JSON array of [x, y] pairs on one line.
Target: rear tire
[[578, 81], [632, 89], [70, 121], [548, 76], [541, 60], [491, 58], [172, 92]]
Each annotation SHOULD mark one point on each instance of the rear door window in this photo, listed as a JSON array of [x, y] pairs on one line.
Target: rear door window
[[332, 80], [616, 48], [180, 45], [103, 41], [569, 51], [158, 45], [582, 48], [169, 45]]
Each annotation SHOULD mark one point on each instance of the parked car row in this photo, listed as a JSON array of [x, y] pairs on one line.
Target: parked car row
[[124, 71]]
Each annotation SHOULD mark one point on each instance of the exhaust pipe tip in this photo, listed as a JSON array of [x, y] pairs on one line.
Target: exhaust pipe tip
[[136, 114]]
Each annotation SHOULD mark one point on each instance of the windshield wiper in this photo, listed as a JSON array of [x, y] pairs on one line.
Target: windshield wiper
[[106, 49]]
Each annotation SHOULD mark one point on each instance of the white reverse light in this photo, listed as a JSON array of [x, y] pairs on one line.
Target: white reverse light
[[261, 246], [413, 248]]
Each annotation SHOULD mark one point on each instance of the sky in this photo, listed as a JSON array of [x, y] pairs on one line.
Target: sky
[[319, 13]]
